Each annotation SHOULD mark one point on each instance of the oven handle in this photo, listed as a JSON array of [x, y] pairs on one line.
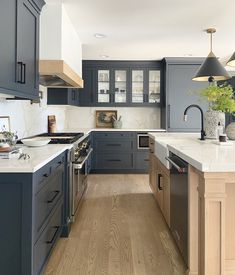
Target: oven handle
[[80, 165], [179, 169]]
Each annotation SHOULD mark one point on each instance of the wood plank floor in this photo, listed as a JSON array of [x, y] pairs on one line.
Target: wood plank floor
[[119, 231]]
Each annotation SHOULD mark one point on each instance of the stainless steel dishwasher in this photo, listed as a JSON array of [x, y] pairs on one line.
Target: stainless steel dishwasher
[[179, 203]]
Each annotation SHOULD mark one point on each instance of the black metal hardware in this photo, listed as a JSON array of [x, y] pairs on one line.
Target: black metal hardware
[[21, 73], [54, 235], [56, 193], [159, 176], [24, 73], [59, 163], [113, 160], [46, 175], [169, 116]]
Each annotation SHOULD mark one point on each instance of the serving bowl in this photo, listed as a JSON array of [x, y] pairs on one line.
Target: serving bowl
[[35, 142]]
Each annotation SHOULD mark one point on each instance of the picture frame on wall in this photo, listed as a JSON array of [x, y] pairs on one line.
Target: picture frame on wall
[[5, 124], [105, 118]]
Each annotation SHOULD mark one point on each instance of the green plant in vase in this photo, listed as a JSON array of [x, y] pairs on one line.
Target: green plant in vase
[[221, 100]]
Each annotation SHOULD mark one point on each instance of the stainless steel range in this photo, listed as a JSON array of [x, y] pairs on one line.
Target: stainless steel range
[[78, 174]]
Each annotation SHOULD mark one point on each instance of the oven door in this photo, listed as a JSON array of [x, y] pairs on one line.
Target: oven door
[[79, 180], [79, 184], [142, 141]]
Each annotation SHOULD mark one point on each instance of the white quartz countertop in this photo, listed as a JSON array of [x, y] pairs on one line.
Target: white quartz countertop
[[206, 156], [40, 156]]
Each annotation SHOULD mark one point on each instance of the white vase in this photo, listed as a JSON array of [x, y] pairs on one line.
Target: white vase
[[212, 119], [230, 130]]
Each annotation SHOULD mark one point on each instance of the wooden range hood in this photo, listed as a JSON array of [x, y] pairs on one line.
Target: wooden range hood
[[57, 74]]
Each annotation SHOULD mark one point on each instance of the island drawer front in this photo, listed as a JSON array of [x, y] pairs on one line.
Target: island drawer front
[[47, 240], [114, 161], [42, 175], [46, 199], [113, 145], [142, 160], [113, 134]]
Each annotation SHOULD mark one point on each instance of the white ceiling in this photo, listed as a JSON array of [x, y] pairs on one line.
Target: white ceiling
[[152, 29]]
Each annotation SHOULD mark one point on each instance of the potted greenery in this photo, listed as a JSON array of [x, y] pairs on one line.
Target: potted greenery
[[221, 100]]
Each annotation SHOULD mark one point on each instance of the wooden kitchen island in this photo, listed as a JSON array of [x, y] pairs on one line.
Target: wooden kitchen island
[[211, 201]]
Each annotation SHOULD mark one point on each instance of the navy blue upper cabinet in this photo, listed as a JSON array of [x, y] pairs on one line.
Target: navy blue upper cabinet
[[19, 30], [121, 83], [179, 92], [63, 96]]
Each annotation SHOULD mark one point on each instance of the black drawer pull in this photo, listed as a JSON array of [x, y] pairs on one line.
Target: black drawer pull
[[59, 163], [46, 175], [56, 193], [24, 70], [54, 235], [159, 176], [113, 144], [146, 159], [151, 151], [113, 160], [21, 73]]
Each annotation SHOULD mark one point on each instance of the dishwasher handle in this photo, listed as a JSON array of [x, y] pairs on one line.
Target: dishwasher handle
[[182, 170]]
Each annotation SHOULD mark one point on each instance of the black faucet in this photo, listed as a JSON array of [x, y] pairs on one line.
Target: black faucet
[[203, 134]]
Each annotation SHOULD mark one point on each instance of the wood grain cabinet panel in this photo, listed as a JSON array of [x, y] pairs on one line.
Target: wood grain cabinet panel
[[159, 179]]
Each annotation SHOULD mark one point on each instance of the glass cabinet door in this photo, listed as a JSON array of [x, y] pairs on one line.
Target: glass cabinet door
[[103, 86], [120, 86], [154, 86], [137, 83]]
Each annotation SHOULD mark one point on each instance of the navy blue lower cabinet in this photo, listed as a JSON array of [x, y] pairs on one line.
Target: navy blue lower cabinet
[[32, 209], [117, 152], [142, 161]]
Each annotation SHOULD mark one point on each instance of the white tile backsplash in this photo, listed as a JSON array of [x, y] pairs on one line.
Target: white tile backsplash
[[30, 119]]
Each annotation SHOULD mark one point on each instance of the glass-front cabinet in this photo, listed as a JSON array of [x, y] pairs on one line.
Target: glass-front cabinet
[[137, 86], [120, 86], [121, 83], [104, 86], [154, 86], [145, 86], [112, 86]]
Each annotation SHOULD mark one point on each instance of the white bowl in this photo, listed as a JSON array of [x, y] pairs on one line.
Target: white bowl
[[35, 142]]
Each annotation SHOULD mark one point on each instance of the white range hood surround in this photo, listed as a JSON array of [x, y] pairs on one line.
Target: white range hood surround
[[60, 62]]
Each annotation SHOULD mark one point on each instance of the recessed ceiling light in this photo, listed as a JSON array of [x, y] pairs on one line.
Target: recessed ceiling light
[[104, 56], [99, 35]]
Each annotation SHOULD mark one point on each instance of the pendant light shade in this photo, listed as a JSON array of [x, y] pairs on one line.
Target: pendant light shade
[[231, 61], [211, 69]]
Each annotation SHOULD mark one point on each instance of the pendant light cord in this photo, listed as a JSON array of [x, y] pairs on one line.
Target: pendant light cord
[[211, 41]]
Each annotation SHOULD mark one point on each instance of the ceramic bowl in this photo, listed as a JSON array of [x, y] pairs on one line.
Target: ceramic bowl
[[35, 142]]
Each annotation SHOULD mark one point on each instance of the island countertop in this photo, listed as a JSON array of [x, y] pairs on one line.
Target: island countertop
[[206, 156]]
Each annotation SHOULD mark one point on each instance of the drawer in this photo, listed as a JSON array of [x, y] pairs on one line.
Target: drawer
[[113, 145], [42, 175], [114, 161], [113, 134], [46, 199], [47, 240], [142, 160]]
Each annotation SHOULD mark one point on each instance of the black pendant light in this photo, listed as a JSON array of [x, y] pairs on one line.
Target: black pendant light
[[211, 69], [231, 61]]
